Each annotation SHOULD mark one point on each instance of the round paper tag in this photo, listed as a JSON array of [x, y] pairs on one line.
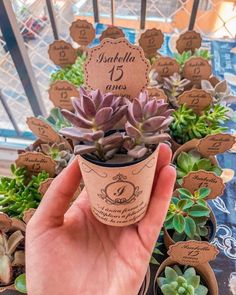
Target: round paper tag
[[62, 53], [189, 40], [151, 40], [196, 99], [197, 69], [157, 92], [165, 67], [60, 93], [82, 32], [117, 66], [112, 33]]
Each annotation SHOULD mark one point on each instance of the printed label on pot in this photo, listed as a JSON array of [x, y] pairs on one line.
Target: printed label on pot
[[157, 92], [194, 180], [42, 130], [45, 185], [189, 40], [215, 144], [82, 32], [165, 67], [117, 66], [192, 252], [119, 196], [36, 162], [62, 53], [197, 69], [196, 99], [151, 40], [112, 33], [60, 93]]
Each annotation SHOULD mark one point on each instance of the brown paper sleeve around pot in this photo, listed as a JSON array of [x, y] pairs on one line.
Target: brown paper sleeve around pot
[[204, 270], [168, 241], [119, 196]]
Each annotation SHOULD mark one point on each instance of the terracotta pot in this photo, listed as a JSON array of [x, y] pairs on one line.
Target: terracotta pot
[[146, 283], [119, 193], [168, 241], [204, 270]]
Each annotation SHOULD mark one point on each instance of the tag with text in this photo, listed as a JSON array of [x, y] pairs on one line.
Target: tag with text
[[112, 33], [165, 67], [188, 41], [157, 93], [151, 40], [82, 32]]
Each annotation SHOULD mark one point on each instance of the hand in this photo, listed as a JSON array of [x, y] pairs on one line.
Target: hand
[[69, 252]]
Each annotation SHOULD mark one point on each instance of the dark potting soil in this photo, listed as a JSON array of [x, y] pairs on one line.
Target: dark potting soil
[[17, 270]]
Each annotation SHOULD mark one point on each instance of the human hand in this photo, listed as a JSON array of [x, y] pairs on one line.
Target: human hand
[[69, 252]]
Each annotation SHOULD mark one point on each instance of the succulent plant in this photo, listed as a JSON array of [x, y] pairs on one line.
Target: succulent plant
[[177, 282], [156, 251], [204, 53], [73, 73], [97, 114], [173, 87], [183, 57], [153, 74], [193, 161], [19, 193], [56, 119], [188, 125], [187, 215], [12, 258], [20, 283]]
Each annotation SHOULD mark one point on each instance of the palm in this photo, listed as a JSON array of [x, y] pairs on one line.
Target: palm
[[83, 256]]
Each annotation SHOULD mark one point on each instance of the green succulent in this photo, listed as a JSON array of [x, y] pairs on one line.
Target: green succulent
[[187, 215], [183, 57], [20, 192], [177, 282], [156, 251], [188, 125], [73, 73], [204, 53], [20, 283], [193, 161]]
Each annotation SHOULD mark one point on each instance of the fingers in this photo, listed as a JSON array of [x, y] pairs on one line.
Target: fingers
[[59, 195], [164, 158], [150, 226]]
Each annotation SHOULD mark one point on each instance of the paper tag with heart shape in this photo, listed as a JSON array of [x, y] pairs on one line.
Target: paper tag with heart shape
[[117, 66], [192, 253], [156, 92], [112, 32], [60, 93], [44, 186], [62, 53], [151, 40], [36, 162], [42, 130], [197, 179], [188, 41], [196, 99], [165, 67], [82, 32], [215, 144], [197, 69]]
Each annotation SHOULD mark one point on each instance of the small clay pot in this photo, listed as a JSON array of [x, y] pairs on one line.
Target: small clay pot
[[168, 241], [146, 283], [204, 270]]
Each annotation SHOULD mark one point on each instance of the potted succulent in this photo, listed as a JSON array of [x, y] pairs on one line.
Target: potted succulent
[[114, 163], [20, 192], [189, 217], [12, 255]]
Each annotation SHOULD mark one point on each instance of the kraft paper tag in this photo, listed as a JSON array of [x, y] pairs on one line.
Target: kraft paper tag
[[189, 40], [60, 93], [117, 66], [197, 179], [151, 40], [42, 130], [197, 69], [27, 215], [82, 32], [165, 67], [36, 162], [156, 92], [192, 253], [215, 144], [112, 33], [62, 53], [196, 99], [44, 186]]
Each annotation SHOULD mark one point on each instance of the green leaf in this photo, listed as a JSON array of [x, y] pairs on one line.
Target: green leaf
[[177, 237], [190, 227], [161, 281], [184, 192], [189, 272], [188, 205], [216, 170], [168, 290], [178, 270], [169, 215], [170, 274], [203, 231], [204, 164], [194, 281], [179, 223], [204, 192], [157, 251], [154, 261], [199, 211], [20, 283], [201, 290], [183, 161], [181, 204]]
